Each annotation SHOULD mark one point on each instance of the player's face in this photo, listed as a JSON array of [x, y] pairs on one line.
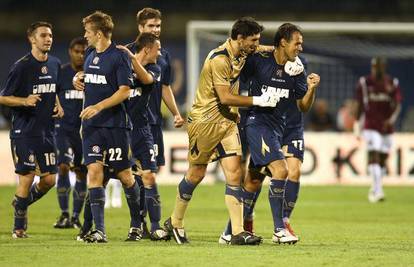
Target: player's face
[[294, 46], [42, 39], [90, 35], [250, 43], [154, 51], [152, 26], [76, 54]]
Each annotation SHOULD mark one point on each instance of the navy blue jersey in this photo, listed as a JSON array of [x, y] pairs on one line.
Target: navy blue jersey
[[105, 72], [30, 76], [155, 116], [265, 73], [70, 99], [140, 96]]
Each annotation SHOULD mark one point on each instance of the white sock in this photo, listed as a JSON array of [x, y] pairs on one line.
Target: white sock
[[376, 174]]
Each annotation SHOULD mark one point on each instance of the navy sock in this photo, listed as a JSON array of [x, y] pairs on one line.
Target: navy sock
[[186, 189], [142, 205], [20, 212], [35, 194], [291, 195], [79, 193], [250, 212], [276, 192], [63, 189], [152, 199], [132, 196], [97, 199], [87, 216]]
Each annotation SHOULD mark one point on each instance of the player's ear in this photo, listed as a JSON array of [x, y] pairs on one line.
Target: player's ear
[[283, 42]]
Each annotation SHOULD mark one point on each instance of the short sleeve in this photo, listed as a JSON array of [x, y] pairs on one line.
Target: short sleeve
[[124, 70], [221, 71], [13, 82]]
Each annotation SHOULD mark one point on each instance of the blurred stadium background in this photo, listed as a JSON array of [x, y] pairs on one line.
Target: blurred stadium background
[[339, 52]]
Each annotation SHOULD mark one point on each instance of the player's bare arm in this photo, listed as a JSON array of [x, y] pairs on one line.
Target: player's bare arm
[[169, 100], [119, 96], [306, 102], [58, 111], [14, 101], [140, 71]]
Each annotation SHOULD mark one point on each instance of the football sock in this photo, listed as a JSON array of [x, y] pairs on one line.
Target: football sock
[[235, 208], [87, 215], [142, 205], [276, 192], [63, 190], [132, 196], [35, 194], [249, 216], [20, 212], [152, 199], [290, 197], [184, 194], [79, 193], [375, 171], [97, 200]]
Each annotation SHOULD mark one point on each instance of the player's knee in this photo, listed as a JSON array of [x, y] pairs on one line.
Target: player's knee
[[63, 169], [233, 177], [294, 174], [252, 185], [47, 182], [148, 178], [196, 173]]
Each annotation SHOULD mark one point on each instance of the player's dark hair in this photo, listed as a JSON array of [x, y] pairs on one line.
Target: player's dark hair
[[246, 26], [145, 39], [285, 31], [147, 13], [100, 22], [32, 28], [78, 41]]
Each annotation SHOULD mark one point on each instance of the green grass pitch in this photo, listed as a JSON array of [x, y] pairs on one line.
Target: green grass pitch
[[337, 227]]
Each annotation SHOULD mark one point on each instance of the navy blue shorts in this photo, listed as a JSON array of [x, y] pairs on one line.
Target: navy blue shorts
[[110, 146], [157, 136], [34, 154], [69, 147], [143, 149], [293, 143], [264, 145]]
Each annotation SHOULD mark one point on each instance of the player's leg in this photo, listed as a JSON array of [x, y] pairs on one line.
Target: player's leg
[[21, 203], [175, 224], [374, 141], [385, 149], [116, 200], [292, 186], [63, 189], [79, 194]]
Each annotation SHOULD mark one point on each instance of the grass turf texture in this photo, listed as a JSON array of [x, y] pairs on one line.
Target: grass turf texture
[[337, 227]]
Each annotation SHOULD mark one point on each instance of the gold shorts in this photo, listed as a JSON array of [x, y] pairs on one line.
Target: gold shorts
[[212, 141]]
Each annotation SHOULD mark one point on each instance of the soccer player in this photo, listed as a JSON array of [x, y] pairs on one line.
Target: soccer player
[[144, 53], [30, 91], [149, 21], [68, 141], [105, 122], [266, 129], [378, 98], [212, 128]]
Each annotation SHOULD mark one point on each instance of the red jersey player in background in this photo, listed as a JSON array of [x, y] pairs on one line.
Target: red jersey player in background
[[378, 98]]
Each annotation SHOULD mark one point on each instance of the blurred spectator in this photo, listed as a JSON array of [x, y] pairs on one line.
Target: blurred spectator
[[346, 116], [319, 117]]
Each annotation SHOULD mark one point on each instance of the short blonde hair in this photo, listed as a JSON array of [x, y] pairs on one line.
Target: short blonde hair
[[100, 22]]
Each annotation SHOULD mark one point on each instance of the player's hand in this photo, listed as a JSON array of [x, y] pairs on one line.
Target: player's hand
[[31, 100], [124, 48], [58, 111], [269, 98], [90, 112], [387, 124], [313, 80], [77, 81], [294, 68], [178, 121]]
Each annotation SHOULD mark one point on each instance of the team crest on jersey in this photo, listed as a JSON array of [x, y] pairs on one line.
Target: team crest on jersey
[[279, 73], [96, 149], [43, 70], [31, 158], [95, 60]]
